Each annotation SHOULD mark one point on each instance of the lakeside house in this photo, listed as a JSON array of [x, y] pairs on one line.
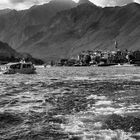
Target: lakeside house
[[87, 58]]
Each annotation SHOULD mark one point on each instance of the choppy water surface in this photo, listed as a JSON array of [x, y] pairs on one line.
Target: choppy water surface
[[62, 103]]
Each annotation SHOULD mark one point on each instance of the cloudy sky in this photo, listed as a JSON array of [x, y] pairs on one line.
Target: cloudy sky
[[24, 4]]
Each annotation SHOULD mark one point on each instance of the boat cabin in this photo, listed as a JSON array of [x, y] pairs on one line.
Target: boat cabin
[[24, 68]]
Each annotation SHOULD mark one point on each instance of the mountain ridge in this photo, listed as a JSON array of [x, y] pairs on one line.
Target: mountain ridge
[[72, 30], [7, 54]]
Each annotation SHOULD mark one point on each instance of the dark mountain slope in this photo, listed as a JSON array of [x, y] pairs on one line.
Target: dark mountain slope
[[5, 11], [83, 2], [7, 54], [86, 27], [18, 26], [6, 50], [68, 32]]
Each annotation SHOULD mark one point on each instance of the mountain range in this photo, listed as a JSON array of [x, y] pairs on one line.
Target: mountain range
[[61, 29], [7, 54]]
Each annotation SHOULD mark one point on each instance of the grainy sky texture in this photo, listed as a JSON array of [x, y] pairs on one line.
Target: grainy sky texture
[[24, 4]]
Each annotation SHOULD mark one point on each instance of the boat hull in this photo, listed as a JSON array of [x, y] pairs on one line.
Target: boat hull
[[22, 71], [22, 68]]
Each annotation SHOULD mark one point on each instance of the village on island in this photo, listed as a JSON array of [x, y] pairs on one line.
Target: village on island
[[101, 58]]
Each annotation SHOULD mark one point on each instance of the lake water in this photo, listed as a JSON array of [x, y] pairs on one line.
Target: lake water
[[61, 103]]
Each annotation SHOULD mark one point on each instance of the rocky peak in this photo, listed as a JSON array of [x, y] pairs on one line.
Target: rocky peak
[[69, 2], [5, 11], [84, 1]]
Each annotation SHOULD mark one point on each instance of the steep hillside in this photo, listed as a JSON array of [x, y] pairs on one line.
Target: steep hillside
[[87, 27], [5, 11], [68, 32], [83, 1], [7, 54], [18, 26], [7, 51]]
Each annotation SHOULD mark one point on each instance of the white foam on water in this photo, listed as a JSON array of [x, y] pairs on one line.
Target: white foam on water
[[134, 106], [133, 109], [98, 124], [120, 91], [79, 78], [96, 97], [21, 108], [56, 91], [107, 110], [104, 77], [77, 129], [137, 80], [74, 125], [105, 102]]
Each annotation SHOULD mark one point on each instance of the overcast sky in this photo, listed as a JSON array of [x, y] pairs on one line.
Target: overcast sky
[[24, 4]]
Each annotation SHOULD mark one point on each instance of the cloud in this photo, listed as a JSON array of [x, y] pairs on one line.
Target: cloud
[[138, 1], [17, 1], [25, 4], [113, 2], [28, 1]]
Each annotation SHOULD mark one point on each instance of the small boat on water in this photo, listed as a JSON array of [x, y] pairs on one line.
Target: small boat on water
[[19, 67]]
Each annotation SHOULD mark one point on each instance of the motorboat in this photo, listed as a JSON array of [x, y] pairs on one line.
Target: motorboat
[[19, 67]]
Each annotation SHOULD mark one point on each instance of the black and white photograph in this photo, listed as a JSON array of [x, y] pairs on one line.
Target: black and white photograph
[[69, 69]]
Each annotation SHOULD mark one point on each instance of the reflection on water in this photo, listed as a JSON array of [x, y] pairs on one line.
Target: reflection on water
[[66, 103]]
